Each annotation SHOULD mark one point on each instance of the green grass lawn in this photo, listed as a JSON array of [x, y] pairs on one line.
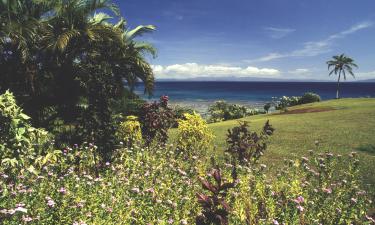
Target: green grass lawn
[[347, 125]]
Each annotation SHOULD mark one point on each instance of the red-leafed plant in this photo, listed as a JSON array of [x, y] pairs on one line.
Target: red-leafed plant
[[248, 146], [215, 209], [156, 119]]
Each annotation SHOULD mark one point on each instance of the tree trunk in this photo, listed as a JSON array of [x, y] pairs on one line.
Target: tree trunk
[[338, 85]]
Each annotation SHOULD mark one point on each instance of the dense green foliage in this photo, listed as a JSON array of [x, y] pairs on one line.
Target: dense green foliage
[[221, 111], [286, 101], [309, 97], [157, 185], [20, 143], [69, 63]]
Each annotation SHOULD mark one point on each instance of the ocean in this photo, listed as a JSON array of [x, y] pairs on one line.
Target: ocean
[[199, 95]]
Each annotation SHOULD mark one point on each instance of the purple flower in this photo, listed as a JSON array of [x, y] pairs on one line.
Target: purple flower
[[275, 222]]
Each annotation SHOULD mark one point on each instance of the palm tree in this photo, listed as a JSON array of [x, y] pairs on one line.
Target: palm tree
[[341, 65]]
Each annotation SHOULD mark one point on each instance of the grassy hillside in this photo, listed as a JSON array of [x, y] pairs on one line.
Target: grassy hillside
[[340, 126]]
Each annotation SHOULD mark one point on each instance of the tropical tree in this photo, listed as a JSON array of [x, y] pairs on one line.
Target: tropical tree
[[66, 61], [341, 65]]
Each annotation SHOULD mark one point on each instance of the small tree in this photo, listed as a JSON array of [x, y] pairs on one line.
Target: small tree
[[267, 107]]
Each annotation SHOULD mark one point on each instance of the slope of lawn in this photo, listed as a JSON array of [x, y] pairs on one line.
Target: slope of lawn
[[340, 126]]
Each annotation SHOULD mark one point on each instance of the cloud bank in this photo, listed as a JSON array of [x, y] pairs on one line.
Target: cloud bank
[[194, 70]]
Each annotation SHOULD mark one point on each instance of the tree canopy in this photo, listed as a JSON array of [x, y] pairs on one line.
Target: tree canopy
[[67, 60]]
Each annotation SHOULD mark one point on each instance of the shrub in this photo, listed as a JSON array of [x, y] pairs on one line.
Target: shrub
[[221, 111], [286, 101], [309, 97], [129, 132], [179, 113], [20, 143], [267, 107], [193, 136], [246, 146], [215, 209], [156, 119]]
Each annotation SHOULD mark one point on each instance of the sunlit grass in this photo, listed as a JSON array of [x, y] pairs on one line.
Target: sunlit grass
[[347, 127]]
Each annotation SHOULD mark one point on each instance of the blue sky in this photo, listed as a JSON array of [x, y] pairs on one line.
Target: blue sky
[[289, 39]]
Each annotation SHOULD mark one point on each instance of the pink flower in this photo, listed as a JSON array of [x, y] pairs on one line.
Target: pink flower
[[275, 222], [327, 190], [27, 219], [50, 202], [300, 208], [299, 200], [62, 191]]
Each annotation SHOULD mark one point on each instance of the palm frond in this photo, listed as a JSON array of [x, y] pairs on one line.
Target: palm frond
[[139, 31], [64, 39], [146, 48]]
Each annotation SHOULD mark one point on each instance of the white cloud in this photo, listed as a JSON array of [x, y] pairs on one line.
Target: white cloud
[[301, 71], [193, 70], [278, 33], [314, 48]]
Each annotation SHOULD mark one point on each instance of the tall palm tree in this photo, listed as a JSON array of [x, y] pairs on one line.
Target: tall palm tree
[[19, 35], [341, 65]]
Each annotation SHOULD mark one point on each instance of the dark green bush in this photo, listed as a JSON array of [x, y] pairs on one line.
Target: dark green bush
[[221, 111], [309, 97]]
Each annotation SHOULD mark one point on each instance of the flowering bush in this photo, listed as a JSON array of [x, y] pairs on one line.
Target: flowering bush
[[193, 136], [286, 101], [129, 131], [221, 111], [148, 186]]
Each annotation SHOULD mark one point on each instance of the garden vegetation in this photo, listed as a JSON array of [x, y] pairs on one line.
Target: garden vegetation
[[84, 149]]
